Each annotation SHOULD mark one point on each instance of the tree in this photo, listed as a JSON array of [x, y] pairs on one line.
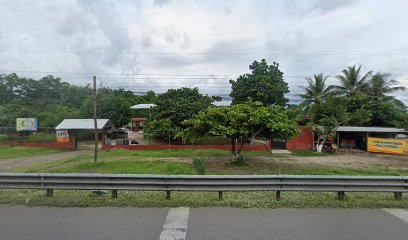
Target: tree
[[315, 93], [240, 122], [265, 84], [380, 85], [351, 84], [175, 106]]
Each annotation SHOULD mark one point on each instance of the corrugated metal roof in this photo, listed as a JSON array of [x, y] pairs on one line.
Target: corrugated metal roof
[[143, 106], [370, 129], [83, 124]]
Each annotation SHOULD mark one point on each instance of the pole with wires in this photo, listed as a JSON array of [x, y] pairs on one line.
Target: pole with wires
[[95, 121]]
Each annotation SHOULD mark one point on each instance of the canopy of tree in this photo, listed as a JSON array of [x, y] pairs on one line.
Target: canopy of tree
[[357, 101], [264, 84], [240, 121], [50, 100], [173, 107]]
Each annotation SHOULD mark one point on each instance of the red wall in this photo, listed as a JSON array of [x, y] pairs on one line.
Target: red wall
[[178, 147], [302, 142], [54, 145]]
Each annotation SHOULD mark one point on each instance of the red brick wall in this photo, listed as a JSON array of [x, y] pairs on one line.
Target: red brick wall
[[53, 145], [302, 142]]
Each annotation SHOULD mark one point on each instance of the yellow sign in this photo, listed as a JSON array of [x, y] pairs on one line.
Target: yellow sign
[[26, 124], [388, 145]]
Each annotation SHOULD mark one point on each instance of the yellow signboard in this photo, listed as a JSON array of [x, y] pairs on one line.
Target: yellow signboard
[[388, 145]]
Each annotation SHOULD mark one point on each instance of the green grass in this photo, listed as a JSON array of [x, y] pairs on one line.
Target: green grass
[[131, 167], [10, 152], [164, 153], [68, 198]]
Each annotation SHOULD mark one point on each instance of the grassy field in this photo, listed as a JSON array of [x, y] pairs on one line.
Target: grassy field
[[9, 152], [179, 162]]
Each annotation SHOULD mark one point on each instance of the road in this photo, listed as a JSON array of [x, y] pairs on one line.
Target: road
[[201, 223]]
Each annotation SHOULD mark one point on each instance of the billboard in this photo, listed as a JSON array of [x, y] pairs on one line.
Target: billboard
[[62, 136], [26, 124], [388, 145]]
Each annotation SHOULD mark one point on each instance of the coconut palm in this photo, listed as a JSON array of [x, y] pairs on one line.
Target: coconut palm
[[315, 92], [351, 84], [381, 84]]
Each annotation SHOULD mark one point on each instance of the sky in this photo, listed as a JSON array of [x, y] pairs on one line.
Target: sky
[[161, 44]]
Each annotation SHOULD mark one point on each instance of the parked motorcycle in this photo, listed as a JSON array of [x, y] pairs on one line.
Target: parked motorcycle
[[330, 147]]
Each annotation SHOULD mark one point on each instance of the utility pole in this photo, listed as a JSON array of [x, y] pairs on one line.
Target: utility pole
[[95, 121]]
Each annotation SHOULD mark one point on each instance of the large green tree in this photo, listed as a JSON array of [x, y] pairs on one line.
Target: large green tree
[[265, 84], [240, 122], [173, 107], [381, 84]]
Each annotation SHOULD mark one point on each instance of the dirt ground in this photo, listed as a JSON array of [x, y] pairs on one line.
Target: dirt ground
[[352, 160]]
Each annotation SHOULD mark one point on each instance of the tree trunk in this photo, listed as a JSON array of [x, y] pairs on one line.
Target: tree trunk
[[241, 146], [233, 152], [320, 144]]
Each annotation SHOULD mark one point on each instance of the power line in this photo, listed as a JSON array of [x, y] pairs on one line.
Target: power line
[[213, 53]]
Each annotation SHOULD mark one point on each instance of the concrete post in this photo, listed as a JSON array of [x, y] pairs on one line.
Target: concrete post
[[340, 195], [220, 196], [398, 195], [50, 192]]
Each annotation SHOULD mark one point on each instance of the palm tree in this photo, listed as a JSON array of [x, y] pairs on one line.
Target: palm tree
[[380, 84], [350, 82], [315, 92]]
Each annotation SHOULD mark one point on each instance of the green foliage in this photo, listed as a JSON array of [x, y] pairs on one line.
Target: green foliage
[[173, 107], [159, 129], [241, 121], [264, 84], [51, 100], [351, 82], [200, 164], [315, 93]]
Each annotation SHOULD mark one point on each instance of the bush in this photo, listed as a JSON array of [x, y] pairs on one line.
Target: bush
[[200, 165], [240, 161]]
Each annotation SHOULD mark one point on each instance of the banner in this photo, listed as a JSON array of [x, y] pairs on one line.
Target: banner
[[388, 145], [26, 124], [62, 136]]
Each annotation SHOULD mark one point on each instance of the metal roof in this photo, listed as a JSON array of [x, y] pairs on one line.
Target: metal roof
[[83, 124], [143, 106], [370, 129]]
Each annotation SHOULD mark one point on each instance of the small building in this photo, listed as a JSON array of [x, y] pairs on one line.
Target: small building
[[373, 139], [67, 129]]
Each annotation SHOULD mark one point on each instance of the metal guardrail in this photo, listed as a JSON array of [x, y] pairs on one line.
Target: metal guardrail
[[214, 183]]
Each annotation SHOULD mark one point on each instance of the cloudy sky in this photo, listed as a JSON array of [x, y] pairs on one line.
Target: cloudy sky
[[155, 45]]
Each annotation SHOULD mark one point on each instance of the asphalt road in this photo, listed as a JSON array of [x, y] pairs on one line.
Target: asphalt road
[[201, 223]]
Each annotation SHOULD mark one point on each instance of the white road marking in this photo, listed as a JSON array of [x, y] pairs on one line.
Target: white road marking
[[175, 226], [399, 213]]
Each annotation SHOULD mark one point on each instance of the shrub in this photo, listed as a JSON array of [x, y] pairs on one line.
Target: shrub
[[200, 165]]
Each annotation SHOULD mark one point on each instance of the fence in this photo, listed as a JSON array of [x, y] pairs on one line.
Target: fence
[[144, 140], [44, 138], [214, 183]]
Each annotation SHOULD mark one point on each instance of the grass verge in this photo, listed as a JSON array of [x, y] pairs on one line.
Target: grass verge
[[10, 152], [200, 199]]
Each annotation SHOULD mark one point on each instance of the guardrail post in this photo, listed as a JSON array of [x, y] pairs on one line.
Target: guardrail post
[[50, 192], [115, 194], [398, 195], [340, 195], [168, 195], [278, 195], [220, 196]]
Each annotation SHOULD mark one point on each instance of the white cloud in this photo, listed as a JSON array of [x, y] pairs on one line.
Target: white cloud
[[111, 27]]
